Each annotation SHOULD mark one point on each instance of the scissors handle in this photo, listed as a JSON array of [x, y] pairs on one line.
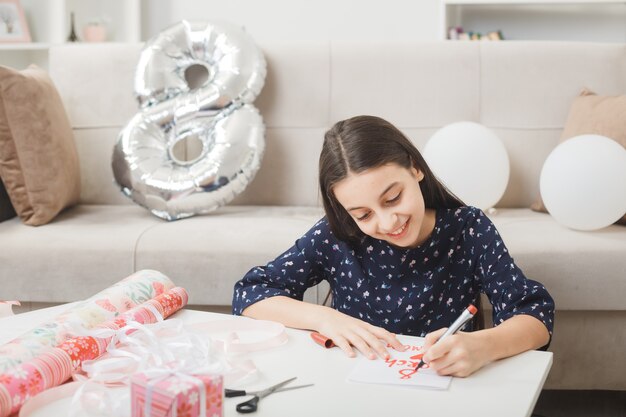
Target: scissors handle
[[228, 393], [249, 406]]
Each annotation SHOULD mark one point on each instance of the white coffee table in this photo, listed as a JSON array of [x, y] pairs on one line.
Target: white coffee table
[[508, 387]]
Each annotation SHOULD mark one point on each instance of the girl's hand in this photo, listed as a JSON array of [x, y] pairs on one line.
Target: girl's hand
[[460, 354], [347, 331]]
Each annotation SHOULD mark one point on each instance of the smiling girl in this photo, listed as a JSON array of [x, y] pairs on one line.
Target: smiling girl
[[402, 255]]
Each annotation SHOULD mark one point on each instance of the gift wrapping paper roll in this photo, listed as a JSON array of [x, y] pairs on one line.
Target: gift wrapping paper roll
[[56, 365], [105, 305]]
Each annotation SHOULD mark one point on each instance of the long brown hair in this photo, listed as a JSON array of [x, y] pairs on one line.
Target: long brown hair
[[364, 142]]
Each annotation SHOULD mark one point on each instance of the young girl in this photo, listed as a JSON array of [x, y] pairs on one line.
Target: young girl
[[402, 255]]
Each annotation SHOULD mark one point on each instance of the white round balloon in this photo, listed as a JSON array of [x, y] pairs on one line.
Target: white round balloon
[[471, 161], [583, 182]]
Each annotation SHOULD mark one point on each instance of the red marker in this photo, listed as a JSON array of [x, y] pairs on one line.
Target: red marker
[[465, 316]]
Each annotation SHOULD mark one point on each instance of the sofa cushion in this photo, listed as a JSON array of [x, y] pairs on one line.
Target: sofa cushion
[[86, 249], [412, 84], [209, 254], [573, 265], [38, 159], [72, 67], [602, 115], [594, 114], [108, 242], [530, 85]]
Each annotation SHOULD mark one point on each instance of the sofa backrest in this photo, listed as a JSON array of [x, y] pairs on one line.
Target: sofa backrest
[[522, 90]]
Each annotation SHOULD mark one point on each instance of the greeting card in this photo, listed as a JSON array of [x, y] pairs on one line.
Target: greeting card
[[400, 368]]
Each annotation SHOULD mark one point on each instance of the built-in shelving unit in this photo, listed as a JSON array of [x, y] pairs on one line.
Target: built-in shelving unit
[[49, 24], [131, 20], [590, 20]]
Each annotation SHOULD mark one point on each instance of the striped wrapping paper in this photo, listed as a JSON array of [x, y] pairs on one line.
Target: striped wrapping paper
[[106, 305], [54, 366]]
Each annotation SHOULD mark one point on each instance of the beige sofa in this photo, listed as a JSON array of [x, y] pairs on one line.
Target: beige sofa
[[522, 90]]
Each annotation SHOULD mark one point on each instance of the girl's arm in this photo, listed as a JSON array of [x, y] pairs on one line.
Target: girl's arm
[[274, 292], [523, 310], [464, 353], [344, 330]]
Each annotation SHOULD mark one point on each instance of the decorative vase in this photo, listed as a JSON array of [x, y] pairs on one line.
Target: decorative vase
[[94, 33], [72, 36]]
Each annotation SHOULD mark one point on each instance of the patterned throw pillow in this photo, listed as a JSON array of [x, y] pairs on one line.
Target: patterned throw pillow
[[38, 158]]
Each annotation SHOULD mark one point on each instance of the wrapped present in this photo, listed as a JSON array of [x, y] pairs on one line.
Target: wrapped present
[[168, 393]]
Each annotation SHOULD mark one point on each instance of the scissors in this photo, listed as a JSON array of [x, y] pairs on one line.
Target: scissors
[[251, 405]]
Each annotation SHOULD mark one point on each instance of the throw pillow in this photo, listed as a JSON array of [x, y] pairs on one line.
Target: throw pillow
[[594, 114], [6, 208], [38, 158]]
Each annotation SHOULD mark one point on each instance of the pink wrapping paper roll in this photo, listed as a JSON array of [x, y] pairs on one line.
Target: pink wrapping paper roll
[[56, 365], [106, 305]]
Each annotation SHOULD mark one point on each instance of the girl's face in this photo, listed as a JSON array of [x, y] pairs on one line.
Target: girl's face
[[386, 203]]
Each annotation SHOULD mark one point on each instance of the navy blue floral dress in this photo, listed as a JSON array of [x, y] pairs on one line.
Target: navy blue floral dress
[[406, 291]]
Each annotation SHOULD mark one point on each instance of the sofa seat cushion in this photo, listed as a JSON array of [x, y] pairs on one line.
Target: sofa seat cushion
[[82, 251], [90, 247], [575, 266], [208, 254]]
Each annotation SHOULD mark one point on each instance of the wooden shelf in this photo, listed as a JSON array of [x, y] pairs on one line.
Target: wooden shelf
[[25, 46]]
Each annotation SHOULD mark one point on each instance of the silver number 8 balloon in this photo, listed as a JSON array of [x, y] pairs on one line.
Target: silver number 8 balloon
[[195, 83]]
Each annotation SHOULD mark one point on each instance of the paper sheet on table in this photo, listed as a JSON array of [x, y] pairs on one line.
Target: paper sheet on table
[[399, 369]]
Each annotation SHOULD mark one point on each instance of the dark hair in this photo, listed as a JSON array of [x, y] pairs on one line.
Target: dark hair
[[363, 142]]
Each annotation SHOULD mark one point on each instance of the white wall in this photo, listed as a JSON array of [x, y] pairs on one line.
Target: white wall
[[393, 20], [365, 20]]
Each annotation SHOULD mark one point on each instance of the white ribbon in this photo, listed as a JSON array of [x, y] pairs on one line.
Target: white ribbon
[[141, 348], [6, 308], [170, 345]]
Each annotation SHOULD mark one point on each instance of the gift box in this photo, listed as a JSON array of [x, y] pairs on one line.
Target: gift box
[[165, 393]]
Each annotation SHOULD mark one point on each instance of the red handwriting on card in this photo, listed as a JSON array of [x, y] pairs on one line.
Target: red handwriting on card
[[407, 373], [413, 348], [408, 367], [410, 348]]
